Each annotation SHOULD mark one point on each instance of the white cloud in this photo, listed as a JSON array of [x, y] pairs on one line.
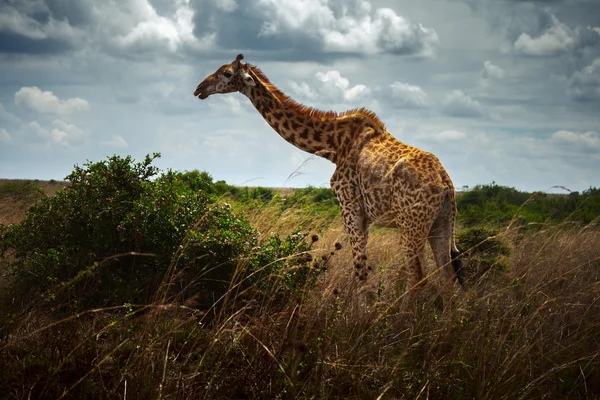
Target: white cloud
[[330, 87], [234, 104], [491, 71], [559, 38], [303, 90], [116, 141], [589, 141], [449, 135], [151, 27], [459, 104], [135, 27], [7, 116], [228, 106], [226, 5], [408, 96], [61, 133], [584, 85], [59, 136], [357, 29], [35, 99], [333, 83], [66, 134], [4, 136], [38, 130]]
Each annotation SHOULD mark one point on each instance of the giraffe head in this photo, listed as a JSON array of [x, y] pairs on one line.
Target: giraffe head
[[228, 78]]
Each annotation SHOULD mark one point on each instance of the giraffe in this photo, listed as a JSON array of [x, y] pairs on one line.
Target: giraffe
[[378, 179]]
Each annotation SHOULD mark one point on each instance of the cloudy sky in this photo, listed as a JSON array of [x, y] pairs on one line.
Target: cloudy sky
[[500, 90]]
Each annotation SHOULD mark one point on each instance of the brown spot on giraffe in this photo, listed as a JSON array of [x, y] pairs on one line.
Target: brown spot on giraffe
[[378, 179]]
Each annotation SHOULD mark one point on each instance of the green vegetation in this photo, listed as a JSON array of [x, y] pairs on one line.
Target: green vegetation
[[490, 204], [114, 234], [136, 283], [317, 200], [484, 251], [499, 205], [20, 189]]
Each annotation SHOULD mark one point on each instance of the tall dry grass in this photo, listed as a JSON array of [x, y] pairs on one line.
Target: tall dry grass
[[529, 331]]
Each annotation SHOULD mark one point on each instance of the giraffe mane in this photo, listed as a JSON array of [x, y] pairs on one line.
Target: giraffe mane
[[311, 111]]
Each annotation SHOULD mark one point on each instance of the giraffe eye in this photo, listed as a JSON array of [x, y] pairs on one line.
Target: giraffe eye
[[227, 74]]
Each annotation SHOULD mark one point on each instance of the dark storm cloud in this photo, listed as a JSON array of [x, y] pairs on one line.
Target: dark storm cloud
[[563, 35], [279, 30], [77, 12], [124, 30], [512, 18], [164, 7], [584, 85], [317, 30], [13, 43], [240, 28], [30, 27]]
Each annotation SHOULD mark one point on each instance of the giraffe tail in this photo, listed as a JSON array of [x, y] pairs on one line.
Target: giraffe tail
[[454, 252], [457, 265]]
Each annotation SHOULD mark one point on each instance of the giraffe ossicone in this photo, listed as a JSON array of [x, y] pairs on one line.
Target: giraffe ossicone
[[378, 179]]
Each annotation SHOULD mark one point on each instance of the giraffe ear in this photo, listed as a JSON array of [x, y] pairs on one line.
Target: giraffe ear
[[248, 80]]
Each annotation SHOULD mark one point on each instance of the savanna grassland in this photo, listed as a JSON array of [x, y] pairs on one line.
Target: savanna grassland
[[129, 282]]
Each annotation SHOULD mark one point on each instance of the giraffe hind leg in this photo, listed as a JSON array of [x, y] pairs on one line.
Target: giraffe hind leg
[[414, 254], [441, 239]]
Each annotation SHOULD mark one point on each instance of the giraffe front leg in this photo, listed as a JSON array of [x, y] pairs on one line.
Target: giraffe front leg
[[357, 228]]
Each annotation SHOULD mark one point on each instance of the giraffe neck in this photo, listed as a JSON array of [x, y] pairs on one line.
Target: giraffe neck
[[316, 132]]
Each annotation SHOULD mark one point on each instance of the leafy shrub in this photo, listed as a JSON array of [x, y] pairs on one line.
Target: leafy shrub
[[484, 252], [198, 180], [114, 233], [499, 205], [283, 263], [262, 193], [316, 200]]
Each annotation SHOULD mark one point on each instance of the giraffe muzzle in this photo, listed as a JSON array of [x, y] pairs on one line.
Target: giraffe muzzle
[[200, 92]]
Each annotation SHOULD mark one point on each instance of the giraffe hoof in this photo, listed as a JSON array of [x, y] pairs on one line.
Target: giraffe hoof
[[370, 268], [314, 238], [358, 266], [338, 246]]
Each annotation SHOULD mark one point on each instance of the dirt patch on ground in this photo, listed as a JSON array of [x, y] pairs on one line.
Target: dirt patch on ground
[[18, 195]]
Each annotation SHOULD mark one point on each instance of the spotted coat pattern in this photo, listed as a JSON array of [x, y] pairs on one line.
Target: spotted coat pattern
[[378, 179]]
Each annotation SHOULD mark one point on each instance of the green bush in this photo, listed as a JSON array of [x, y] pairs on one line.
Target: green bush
[[500, 205], [112, 235], [286, 263], [483, 251], [198, 180], [316, 200]]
